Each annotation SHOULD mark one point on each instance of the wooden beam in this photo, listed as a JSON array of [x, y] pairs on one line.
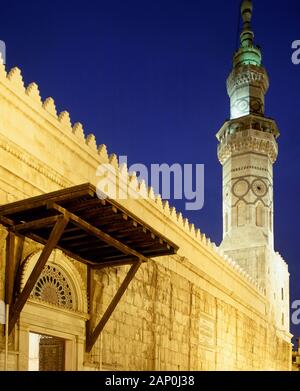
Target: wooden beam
[[157, 252], [92, 338], [105, 220], [75, 237], [101, 211], [54, 237], [98, 233], [10, 268], [36, 224], [122, 226], [6, 222], [86, 205], [60, 195], [90, 242], [73, 229], [105, 250], [124, 231], [108, 257], [92, 246], [64, 250]]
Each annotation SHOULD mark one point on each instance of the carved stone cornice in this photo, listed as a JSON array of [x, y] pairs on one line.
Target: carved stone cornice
[[248, 122], [246, 142], [34, 163]]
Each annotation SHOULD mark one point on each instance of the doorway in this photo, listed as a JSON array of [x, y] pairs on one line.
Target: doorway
[[46, 353]]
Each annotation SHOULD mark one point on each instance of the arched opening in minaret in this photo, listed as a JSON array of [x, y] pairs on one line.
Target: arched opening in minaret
[[271, 221], [241, 214], [260, 215]]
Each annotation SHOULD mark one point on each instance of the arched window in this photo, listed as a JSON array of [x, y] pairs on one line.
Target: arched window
[[260, 215], [53, 287], [241, 214]]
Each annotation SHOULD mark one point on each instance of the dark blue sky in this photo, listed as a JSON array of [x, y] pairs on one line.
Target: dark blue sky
[[148, 78]]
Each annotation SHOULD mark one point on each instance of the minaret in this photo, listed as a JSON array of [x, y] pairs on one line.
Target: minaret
[[247, 151]]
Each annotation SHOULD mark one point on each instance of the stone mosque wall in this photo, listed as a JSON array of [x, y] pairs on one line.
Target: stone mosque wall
[[197, 310]]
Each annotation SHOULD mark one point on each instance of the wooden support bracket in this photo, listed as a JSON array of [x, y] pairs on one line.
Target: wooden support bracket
[[91, 337], [54, 238]]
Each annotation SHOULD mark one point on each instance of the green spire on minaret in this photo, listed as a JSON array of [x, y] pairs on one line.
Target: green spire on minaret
[[247, 35], [248, 53]]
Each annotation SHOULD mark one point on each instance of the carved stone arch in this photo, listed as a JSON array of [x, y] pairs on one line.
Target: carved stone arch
[[58, 279]]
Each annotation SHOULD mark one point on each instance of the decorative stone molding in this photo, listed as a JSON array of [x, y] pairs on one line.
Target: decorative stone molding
[[253, 142], [247, 123], [33, 163], [246, 75]]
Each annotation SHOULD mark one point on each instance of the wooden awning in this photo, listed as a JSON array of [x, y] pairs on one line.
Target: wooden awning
[[99, 232], [94, 231]]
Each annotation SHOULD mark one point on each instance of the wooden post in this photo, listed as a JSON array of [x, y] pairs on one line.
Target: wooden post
[[6, 337], [89, 296], [9, 268]]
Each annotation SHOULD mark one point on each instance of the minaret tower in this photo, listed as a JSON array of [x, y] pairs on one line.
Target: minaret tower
[[247, 151]]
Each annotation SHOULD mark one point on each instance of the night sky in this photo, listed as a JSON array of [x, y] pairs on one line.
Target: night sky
[[148, 78]]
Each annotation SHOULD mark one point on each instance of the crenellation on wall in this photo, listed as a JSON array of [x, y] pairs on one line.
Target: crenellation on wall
[[65, 121], [16, 79], [49, 106], [91, 142], [33, 92]]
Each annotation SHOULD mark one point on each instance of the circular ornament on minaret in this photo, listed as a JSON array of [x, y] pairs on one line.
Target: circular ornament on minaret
[[256, 105], [242, 105], [259, 188], [240, 188]]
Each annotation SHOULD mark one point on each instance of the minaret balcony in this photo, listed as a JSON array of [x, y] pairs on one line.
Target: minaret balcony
[[248, 134]]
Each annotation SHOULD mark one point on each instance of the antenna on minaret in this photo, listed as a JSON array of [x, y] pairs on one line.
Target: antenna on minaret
[[247, 36], [246, 11]]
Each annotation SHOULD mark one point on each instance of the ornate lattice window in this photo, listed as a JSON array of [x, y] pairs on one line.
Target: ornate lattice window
[[53, 287]]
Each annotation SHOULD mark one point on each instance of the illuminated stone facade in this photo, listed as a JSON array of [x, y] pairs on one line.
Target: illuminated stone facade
[[197, 310]]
